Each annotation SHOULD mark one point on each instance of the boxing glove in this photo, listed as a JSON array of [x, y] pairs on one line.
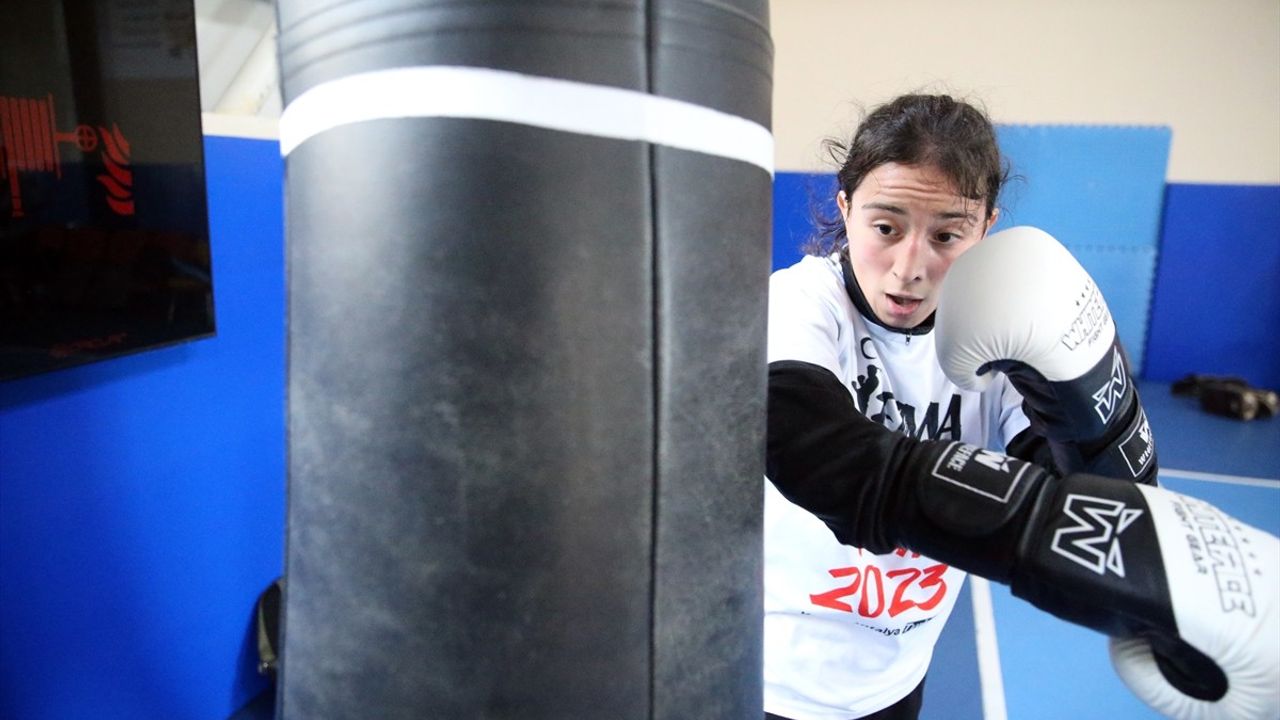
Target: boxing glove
[[1019, 303], [1189, 595]]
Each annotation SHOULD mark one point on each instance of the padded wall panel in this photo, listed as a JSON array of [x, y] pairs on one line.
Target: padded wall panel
[[1098, 189], [1217, 295], [796, 197]]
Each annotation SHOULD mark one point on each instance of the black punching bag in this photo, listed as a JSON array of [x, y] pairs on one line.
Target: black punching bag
[[528, 247]]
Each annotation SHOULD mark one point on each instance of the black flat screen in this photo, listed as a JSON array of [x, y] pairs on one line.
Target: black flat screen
[[104, 235]]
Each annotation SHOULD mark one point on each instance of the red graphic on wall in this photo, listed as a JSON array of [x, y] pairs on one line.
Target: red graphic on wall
[[30, 142]]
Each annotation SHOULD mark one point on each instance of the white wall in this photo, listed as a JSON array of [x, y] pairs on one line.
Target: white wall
[[1209, 69]]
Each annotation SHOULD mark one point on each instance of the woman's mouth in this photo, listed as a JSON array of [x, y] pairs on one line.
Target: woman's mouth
[[902, 305]]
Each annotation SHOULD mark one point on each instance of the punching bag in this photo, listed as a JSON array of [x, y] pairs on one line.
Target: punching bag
[[527, 248]]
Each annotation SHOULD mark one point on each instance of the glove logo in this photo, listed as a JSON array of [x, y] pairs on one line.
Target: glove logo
[[1094, 540], [1138, 448], [1089, 323], [1107, 398], [993, 476]]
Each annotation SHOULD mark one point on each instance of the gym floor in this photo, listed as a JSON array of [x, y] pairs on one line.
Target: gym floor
[[1001, 658]]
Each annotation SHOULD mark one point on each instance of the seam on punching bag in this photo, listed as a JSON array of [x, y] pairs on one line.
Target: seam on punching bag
[[505, 96], [655, 409]]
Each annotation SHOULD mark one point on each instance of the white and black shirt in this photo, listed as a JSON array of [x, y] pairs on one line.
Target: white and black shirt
[[848, 632]]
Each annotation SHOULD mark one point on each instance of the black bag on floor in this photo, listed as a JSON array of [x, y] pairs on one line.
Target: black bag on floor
[[1229, 396], [267, 620]]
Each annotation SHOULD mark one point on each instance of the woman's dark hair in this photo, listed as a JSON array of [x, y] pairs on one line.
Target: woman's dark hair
[[936, 130]]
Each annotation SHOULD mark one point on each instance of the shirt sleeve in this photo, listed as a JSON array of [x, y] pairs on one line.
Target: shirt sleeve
[[825, 456], [804, 323]]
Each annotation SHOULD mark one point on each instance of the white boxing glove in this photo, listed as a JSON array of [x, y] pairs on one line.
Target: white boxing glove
[[1224, 586], [1018, 302]]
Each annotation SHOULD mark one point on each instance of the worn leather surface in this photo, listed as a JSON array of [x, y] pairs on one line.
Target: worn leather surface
[[526, 379]]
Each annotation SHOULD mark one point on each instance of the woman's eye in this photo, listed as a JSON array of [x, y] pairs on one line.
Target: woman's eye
[[883, 229], [947, 237]]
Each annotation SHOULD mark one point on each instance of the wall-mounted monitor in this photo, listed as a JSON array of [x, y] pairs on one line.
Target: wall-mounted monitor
[[104, 234]]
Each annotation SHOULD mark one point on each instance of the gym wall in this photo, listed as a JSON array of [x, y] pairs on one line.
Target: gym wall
[[142, 498], [1187, 256]]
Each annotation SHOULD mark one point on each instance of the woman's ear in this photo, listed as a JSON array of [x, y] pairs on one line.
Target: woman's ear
[[991, 221], [842, 202]]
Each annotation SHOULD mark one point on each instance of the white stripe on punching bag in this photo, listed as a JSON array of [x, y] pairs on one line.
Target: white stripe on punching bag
[[484, 94]]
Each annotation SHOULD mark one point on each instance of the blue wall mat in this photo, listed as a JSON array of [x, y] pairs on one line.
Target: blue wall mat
[[142, 498], [1098, 189], [1217, 294], [1088, 185], [796, 196]]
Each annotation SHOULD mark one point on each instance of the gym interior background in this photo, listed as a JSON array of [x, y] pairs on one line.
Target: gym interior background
[[142, 498]]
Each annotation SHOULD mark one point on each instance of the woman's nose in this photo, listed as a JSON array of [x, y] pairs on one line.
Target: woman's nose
[[909, 257]]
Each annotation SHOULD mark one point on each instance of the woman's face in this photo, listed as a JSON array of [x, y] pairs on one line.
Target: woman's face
[[906, 225]]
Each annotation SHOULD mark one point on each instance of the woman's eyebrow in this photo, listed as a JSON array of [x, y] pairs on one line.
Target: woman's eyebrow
[[884, 206], [945, 215]]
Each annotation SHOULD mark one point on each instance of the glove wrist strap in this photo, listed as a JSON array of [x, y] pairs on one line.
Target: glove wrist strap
[[1127, 453]]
